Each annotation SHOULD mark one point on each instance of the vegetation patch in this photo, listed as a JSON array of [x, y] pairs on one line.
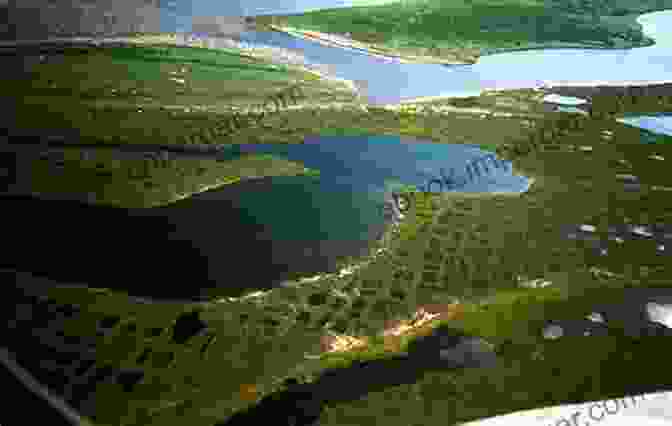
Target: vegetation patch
[[134, 180], [418, 29]]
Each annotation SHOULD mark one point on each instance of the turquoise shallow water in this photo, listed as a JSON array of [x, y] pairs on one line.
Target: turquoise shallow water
[[311, 222], [357, 174], [656, 124], [564, 100]]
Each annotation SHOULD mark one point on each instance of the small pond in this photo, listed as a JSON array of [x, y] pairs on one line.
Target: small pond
[[250, 235], [658, 124], [563, 100], [572, 109]]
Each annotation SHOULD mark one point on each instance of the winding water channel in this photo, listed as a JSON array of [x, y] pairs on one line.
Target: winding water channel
[[386, 82]]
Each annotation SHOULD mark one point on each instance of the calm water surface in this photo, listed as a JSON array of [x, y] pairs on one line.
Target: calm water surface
[[251, 235], [660, 124], [388, 82]]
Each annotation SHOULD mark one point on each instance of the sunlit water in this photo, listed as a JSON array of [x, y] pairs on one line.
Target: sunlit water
[[356, 175], [563, 100], [659, 123], [388, 82]]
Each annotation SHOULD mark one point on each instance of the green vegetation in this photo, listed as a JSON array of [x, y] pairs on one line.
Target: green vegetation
[[461, 30], [471, 248], [169, 95], [252, 332], [566, 367], [106, 177], [475, 248]]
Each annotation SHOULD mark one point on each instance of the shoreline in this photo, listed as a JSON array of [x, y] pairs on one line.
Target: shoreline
[[324, 39], [423, 99], [546, 88], [378, 246], [599, 84], [185, 40], [331, 40], [586, 91]]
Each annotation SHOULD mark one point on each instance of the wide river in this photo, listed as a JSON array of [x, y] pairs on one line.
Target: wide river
[[387, 82]]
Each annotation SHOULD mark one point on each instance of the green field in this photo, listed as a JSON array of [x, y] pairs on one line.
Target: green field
[[175, 95]]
